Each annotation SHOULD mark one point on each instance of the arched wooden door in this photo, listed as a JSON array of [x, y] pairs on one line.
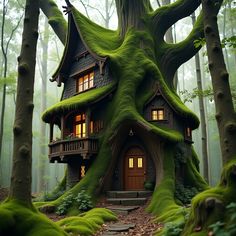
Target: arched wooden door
[[134, 169]]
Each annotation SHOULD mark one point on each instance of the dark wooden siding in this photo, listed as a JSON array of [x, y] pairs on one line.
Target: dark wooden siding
[[157, 103], [83, 60]]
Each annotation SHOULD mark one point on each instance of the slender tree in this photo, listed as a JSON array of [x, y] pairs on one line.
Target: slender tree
[[203, 123], [5, 48], [20, 188]]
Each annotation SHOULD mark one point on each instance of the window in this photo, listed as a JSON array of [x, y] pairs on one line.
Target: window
[[80, 126], [82, 171], [158, 114], [85, 82], [140, 162], [131, 162], [91, 127]]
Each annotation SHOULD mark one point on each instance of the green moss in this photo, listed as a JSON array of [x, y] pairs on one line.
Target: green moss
[[87, 223], [18, 220], [223, 194], [77, 101]]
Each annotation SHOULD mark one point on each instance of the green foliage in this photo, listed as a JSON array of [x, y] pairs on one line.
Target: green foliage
[[189, 96], [10, 82], [185, 193], [229, 42], [171, 229], [65, 204], [83, 200], [199, 42], [226, 229]]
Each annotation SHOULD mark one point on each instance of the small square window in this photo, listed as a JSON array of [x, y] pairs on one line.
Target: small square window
[[158, 114]]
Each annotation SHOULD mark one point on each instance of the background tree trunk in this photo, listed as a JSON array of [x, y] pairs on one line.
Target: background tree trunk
[[44, 74], [203, 125], [20, 188], [225, 114]]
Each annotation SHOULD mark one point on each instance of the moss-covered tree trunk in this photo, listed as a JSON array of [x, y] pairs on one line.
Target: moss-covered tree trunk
[[20, 188], [225, 114], [141, 60]]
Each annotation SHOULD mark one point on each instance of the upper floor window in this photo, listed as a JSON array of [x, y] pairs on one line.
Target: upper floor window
[[85, 82], [157, 114]]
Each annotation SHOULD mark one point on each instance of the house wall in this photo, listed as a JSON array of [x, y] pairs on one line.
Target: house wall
[[159, 102], [82, 60]]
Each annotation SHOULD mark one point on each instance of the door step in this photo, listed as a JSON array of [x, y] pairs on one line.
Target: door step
[[129, 194], [127, 201]]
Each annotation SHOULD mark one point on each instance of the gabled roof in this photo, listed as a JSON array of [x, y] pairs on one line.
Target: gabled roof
[[176, 104], [81, 100], [78, 23]]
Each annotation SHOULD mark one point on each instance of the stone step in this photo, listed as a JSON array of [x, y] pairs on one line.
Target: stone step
[[127, 201], [122, 210], [129, 194]]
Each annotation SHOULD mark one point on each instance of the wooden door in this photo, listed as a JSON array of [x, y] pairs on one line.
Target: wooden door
[[134, 169]]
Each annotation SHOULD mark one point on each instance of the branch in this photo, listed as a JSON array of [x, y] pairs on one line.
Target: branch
[[55, 18], [168, 15], [176, 54], [85, 8]]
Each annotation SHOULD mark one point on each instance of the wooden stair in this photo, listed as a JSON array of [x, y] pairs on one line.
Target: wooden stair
[[123, 202]]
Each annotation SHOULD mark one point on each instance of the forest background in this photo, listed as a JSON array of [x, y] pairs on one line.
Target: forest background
[[45, 175]]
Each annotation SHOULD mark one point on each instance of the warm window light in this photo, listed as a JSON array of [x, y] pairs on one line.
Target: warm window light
[[80, 126], [158, 114], [85, 82], [131, 162], [140, 162], [82, 171]]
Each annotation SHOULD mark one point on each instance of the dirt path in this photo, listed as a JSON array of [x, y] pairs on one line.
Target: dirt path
[[143, 222]]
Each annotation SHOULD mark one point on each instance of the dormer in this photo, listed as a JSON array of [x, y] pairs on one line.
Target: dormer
[[80, 69]]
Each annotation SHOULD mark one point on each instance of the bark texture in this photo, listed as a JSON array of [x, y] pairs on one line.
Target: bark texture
[[225, 114], [22, 154]]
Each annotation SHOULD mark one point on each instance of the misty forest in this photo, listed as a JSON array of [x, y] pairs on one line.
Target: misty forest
[[118, 117]]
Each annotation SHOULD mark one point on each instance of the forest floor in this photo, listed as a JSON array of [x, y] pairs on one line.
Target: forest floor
[[143, 223]]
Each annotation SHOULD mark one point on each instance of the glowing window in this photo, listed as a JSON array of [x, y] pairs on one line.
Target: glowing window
[[158, 114], [131, 162], [82, 171], [140, 162], [85, 82], [80, 126]]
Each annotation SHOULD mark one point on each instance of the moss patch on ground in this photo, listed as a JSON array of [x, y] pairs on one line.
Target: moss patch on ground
[[17, 219]]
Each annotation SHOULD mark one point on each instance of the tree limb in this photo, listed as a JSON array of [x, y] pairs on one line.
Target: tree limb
[[55, 18], [168, 15], [175, 55]]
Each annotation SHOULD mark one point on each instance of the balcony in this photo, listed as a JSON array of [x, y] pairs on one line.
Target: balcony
[[61, 150]]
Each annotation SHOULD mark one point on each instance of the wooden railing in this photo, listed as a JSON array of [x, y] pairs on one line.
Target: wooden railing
[[74, 146]]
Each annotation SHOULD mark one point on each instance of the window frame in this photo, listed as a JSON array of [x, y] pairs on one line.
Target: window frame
[[157, 116], [81, 123], [85, 81]]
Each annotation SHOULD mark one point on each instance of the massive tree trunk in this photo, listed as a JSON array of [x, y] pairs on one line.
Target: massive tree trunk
[[20, 188], [225, 114]]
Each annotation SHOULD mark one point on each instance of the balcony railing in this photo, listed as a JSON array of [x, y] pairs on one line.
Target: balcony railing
[[61, 149]]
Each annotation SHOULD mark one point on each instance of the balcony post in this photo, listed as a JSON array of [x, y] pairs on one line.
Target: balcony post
[[87, 121], [62, 127], [51, 132]]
